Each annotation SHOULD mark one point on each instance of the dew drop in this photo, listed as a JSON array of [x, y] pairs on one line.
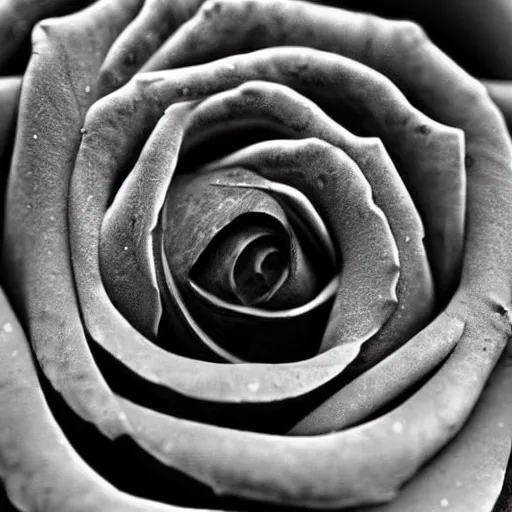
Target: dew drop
[[125, 247], [169, 447], [7, 327], [253, 386], [35, 136], [398, 427], [87, 89], [321, 182]]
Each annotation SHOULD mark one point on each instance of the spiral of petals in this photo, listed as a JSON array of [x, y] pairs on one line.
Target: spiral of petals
[[374, 145]]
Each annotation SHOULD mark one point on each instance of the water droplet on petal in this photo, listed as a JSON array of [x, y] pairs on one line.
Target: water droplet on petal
[[253, 386], [35, 136], [7, 327], [398, 427], [87, 89]]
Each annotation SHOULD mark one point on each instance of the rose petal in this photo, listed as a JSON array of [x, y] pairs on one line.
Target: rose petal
[[40, 278], [501, 93], [468, 474], [126, 244], [156, 20], [385, 381], [40, 468], [18, 18]]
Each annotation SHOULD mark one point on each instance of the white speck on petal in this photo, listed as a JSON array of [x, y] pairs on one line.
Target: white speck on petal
[[14, 353], [35, 136], [87, 89], [7, 327], [501, 424], [231, 67], [49, 252], [444, 503], [254, 386], [122, 416], [169, 447], [185, 91], [407, 238], [398, 427], [125, 247], [52, 217], [89, 197]]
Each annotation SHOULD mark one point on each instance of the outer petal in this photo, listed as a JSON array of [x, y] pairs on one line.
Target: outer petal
[[40, 272], [40, 468], [17, 19]]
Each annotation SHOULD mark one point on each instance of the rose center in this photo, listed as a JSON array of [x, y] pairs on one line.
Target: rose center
[[260, 270]]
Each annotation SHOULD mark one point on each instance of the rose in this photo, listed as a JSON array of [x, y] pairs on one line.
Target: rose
[[49, 305]]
